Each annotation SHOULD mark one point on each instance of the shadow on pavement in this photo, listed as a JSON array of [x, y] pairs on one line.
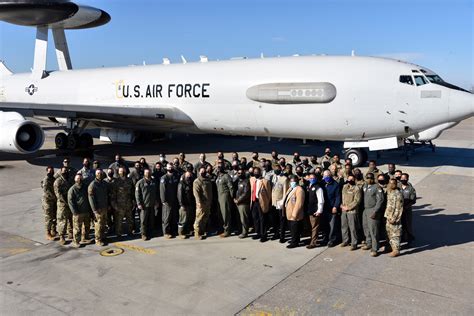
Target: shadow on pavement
[[433, 229]]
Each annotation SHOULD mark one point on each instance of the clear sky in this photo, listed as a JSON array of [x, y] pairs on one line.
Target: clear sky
[[437, 34]]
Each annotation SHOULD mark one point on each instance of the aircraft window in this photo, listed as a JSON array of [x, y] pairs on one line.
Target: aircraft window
[[434, 78], [406, 79], [414, 70], [420, 80]]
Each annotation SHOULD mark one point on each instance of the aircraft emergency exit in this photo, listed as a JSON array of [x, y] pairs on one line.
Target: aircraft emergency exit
[[365, 102]]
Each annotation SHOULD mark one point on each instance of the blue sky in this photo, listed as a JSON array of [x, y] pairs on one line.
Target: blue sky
[[434, 33]]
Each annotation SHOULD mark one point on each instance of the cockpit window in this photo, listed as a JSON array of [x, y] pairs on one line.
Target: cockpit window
[[420, 80], [438, 80], [406, 79]]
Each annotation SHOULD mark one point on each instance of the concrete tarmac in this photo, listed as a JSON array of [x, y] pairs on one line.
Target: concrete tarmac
[[231, 276]]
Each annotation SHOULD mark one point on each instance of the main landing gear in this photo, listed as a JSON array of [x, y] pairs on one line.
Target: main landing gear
[[74, 137], [358, 156]]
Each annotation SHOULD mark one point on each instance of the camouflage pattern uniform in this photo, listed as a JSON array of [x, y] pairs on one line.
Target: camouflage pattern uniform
[[98, 200], [351, 198], [112, 208], [202, 190], [48, 202], [79, 204], [393, 214], [64, 216], [124, 192]]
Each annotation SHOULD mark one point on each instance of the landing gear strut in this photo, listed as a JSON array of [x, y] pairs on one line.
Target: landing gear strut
[[357, 155], [75, 138]]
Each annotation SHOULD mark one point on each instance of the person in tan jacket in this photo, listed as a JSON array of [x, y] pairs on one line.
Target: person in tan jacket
[[293, 206], [260, 203]]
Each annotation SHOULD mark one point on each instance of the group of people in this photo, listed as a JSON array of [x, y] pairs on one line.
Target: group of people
[[327, 198]]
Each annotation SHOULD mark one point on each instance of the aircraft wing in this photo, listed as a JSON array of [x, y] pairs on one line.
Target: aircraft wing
[[134, 117]]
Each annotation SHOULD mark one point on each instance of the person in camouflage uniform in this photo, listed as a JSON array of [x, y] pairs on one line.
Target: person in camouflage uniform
[[79, 204], [71, 171], [48, 202], [125, 196], [202, 190], [64, 216], [112, 208], [351, 198], [99, 202], [393, 215]]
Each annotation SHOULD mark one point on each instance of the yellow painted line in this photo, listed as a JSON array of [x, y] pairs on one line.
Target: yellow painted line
[[136, 248]]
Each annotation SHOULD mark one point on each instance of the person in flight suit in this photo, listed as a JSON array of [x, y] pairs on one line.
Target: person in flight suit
[[147, 197], [409, 199], [169, 199], [373, 203], [225, 193], [187, 205], [351, 198], [202, 191], [242, 200]]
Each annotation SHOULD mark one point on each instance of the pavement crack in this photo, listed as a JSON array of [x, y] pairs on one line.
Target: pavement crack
[[281, 281], [397, 285], [35, 299]]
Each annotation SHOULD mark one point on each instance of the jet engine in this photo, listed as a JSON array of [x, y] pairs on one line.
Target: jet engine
[[18, 135]]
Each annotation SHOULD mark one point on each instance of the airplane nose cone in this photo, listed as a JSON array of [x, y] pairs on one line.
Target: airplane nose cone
[[461, 105]]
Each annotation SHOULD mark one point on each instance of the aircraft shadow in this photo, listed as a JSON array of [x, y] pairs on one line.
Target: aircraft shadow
[[195, 144]]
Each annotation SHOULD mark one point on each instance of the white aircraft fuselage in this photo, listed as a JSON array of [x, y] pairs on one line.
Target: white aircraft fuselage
[[370, 102]]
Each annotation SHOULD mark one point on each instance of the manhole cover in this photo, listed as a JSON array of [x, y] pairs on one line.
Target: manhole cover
[[112, 251]]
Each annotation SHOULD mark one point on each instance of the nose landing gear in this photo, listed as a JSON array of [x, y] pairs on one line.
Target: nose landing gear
[[357, 155]]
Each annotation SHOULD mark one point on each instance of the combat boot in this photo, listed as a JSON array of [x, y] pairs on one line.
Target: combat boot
[[374, 254], [168, 236], [394, 253], [197, 236], [49, 237], [224, 235], [62, 241], [182, 236], [366, 247], [75, 244]]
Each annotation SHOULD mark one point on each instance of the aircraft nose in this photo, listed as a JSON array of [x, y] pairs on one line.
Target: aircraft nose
[[461, 105]]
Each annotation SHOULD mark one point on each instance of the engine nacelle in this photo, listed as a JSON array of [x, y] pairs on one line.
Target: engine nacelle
[[18, 135]]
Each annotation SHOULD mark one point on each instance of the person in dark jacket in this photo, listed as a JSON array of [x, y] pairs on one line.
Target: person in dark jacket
[[146, 195], [169, 199], [314, 208], [187, 203], [242, 200], [332, 203], [99, 201], [79, 205]]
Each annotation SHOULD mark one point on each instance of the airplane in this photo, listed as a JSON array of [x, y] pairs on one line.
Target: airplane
[[366, 102]]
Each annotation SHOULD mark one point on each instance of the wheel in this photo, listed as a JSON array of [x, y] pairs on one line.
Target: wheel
[[357, 155], [86, 141], [61, 141], [72, 141]]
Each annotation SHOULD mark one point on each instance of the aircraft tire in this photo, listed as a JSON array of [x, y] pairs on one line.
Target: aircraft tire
[[357, 155], [86, 141], [72, 141], [61, 141]]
